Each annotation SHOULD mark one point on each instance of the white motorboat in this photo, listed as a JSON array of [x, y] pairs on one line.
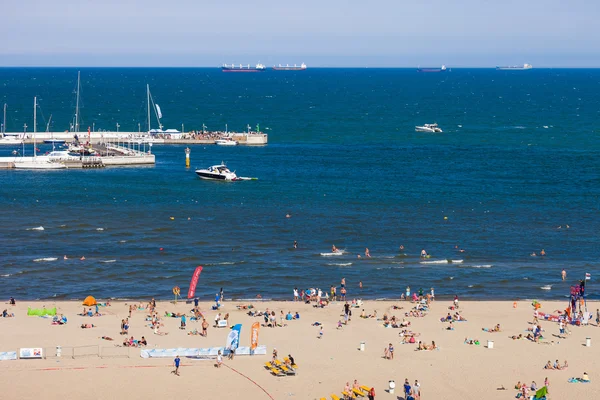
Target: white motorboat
[[39, 164], [226, 142], [62, 155], [431, 128], [217, 173]]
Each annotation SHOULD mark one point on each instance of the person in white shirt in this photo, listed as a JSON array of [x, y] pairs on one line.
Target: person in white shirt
[[219, 359], [217, 318]]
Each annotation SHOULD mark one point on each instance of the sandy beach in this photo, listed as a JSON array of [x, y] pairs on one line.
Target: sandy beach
[[455, 371]]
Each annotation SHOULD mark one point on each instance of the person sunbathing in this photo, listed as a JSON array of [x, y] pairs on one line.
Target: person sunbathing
[[84, 326], [565, 366], [143, 342], [494, 329], [450, 327], [548, 365], [432, 346], [421, 346], [6, 314], [107, 338], [515, 337], [557, 365]]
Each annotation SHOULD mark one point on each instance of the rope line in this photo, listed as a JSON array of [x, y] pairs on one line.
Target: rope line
[[261, 388]]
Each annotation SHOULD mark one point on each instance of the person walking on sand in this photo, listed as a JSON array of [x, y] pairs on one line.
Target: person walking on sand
[[296, 294], [176, 362]]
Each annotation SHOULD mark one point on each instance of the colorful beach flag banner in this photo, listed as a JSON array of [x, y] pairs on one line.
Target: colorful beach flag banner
[[588, 276], [254, 335], [194, 282], [34, 352], [8, 355], [199, 352], [233, 339]]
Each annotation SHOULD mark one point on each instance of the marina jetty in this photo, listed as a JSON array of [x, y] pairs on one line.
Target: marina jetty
[[251, 138], [98, 155]]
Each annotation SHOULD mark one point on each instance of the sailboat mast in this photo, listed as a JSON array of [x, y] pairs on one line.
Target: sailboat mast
[[77, 104], [34, 124], [148, 93], [34, 114]]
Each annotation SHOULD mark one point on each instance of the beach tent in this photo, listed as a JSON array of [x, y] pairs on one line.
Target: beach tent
[[541, 393], [89, 301]]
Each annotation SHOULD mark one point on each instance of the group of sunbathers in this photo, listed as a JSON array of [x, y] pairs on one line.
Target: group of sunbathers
[[56, 320], [131, 342], [364, 315], [393, 322], [456, 317], [90, 313], [423, 346], [556, 365]]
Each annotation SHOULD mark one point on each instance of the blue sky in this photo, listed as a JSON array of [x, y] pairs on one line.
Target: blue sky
[[326, 33]]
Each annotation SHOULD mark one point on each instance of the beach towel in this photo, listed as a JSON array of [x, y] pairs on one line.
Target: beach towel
[[541, 393]]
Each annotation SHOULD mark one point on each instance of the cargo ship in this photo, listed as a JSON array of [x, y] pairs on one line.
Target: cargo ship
[[441, 69], [288, 67], [515, 68], [242, 68]]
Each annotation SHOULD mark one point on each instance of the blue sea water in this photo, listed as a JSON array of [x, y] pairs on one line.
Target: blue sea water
[[518, 158]]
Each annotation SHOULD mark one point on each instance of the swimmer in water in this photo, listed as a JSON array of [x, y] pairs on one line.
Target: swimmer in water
[[563, 274], [295, 244], [65, 257], [82, 258], [533, 254], [367, 253], [288, 215], [401, 247], [423, 253], [542, 253], [334, 249]]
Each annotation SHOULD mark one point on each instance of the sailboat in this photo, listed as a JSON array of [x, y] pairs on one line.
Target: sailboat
[[36, 163], [13, 138]]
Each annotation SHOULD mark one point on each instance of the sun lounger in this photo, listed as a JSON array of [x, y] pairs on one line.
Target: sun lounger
[[358, 392], [287, 370], [334, 397], [277, 372], [365, 388], [351, 395]]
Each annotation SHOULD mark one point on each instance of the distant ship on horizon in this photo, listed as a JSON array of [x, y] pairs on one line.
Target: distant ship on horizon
[[243, 68], [515, 67], [441, 69], [288, 67]]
